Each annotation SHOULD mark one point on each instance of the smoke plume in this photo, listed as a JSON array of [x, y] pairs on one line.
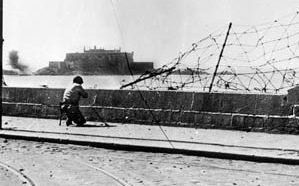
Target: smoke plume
[[16, 64]]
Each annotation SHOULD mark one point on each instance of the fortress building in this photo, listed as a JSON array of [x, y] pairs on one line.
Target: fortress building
[[99, 62]]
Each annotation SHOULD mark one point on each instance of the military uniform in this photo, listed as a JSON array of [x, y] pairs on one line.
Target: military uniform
[[70, 103]]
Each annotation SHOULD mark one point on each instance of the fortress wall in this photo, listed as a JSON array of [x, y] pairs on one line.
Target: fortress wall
[[252, 112]]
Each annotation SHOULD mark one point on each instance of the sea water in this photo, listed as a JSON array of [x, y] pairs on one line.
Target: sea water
[[111, 82]]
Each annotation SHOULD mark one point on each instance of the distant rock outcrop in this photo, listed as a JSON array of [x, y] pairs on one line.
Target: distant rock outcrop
[[97, 62], [9, 72]]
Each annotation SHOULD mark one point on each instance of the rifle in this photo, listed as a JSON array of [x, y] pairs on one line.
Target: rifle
[[61, 112], [96, 112]]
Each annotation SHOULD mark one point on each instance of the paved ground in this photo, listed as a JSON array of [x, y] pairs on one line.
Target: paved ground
[[9, 178], [73, 165], [219, 143]]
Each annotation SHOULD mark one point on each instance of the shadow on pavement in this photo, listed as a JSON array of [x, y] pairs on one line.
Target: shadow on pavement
[[92, 125]]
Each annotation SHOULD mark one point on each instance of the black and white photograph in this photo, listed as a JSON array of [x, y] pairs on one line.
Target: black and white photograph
[[149, 93]]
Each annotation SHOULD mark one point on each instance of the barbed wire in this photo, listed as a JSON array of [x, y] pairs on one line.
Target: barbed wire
[[261, 58]]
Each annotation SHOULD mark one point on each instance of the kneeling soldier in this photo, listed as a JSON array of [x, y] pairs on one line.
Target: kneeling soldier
[[70, 103]]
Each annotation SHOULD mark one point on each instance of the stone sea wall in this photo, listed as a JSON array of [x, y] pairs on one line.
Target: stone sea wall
[[250, 112]]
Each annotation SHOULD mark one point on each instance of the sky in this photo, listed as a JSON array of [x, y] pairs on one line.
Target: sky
[[156, 30]]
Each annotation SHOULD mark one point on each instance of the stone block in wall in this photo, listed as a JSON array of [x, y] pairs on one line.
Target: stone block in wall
[[119, 115], [285, 108], [243, 103], [253, 123], [143, 116], [152, 117], [19, 109], [47, 98], [133, 99], [225, 103], [129, 115], [276, 105], [103, 98], [9, 94], [208, 103], [41, 96], [185, 100], [248, 122], [198, 119], [172, 100], [293, 126], [9, 109], [165, 117], [295, 110], [221, 120], [276, 125], [269, 104], [96, 96], [144, 99], [267, 122], [26, 110], [258, 122], [109, 114], [32, 95], [56, 96], [41, 111], [162, 100], [90, 101], [175, 100], [45, 111], [21, 95], [122, 99], [262, 105], [105, 114], [197, 102], [175, 116], [158, 117], [293, 95], [53, 112], [238, 121], [279, 123], [293, 122], [5, 95], [207, 118], [92, 113], [187, 117], [44, 96]]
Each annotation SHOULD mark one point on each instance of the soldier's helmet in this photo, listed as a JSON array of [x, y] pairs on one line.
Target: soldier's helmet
[[78, 80]]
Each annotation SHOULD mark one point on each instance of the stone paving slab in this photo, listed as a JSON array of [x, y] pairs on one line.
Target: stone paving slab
[[208, 142]]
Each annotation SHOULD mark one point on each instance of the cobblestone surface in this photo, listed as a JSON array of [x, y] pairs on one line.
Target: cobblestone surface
[[57, 164], [8, 177], [209, 140]]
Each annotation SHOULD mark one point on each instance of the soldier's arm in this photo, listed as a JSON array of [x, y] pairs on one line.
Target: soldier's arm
[[83, 93]]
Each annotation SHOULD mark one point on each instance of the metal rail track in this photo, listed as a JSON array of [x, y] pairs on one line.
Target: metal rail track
[[25, 180], [115, 178], [23, 177]]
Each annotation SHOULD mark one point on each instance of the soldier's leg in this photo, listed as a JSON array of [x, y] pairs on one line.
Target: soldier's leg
[[78, 117], [82, 119], [69, 115]]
